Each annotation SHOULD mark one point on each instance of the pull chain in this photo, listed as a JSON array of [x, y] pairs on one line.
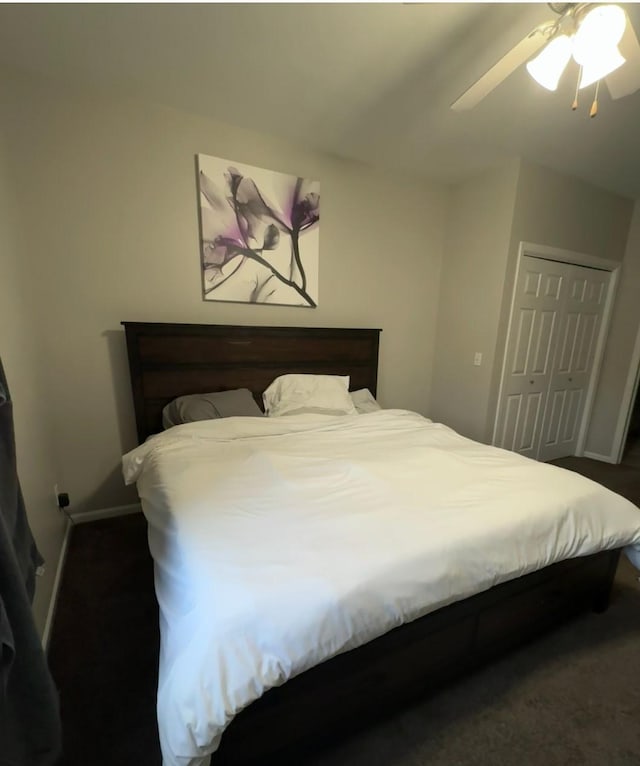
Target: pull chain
[[574, 106], [594, 106]]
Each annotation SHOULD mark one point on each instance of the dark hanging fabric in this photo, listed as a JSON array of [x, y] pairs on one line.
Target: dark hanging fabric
[[29, 715]]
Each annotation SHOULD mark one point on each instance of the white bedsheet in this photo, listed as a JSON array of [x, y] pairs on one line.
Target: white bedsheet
[[281, 542]]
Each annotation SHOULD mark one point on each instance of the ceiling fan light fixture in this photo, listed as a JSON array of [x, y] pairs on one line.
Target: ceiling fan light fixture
[[595, 44], [599, 66], [547, 67], [602, 27]]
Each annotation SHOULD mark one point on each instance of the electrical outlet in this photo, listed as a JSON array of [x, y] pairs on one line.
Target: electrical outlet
[[477, 359], [61, 498]]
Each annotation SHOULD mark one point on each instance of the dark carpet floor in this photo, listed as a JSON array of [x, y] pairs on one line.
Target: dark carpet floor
[[103, 652], [571, 698]]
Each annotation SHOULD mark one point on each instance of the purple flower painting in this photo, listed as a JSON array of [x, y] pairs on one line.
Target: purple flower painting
[[260, 233]]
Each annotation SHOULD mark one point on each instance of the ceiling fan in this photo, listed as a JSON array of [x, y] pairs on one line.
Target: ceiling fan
[[598, 36]]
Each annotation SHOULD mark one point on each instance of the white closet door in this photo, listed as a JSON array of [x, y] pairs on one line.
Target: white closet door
[[540, 296], [573, 364]]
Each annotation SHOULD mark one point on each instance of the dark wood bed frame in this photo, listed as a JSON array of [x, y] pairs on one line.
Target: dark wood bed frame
[[349, 691], [170, 360]]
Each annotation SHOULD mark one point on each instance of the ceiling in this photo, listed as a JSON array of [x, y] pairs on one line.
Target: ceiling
[[371, 82]]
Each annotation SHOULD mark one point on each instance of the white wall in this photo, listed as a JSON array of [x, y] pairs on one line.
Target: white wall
[[479, 219], [21, 358], [108, 187]]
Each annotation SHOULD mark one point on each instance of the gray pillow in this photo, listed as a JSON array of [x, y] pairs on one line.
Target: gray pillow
[[221, 404]]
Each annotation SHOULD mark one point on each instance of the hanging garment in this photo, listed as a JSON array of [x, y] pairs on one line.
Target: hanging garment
[[29, 716]]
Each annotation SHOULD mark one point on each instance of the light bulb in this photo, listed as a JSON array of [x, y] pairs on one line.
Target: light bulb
[[547, 67]]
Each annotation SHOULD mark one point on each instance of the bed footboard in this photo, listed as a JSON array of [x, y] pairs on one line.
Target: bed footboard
[[350, 691]]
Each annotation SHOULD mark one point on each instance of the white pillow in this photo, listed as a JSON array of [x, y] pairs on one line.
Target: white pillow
[[364, 401], [325, 394]]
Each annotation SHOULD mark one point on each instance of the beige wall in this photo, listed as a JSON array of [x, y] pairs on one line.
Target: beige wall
[[20, 352], [105, 229], [109, 189], [617, 358], [563, 212], [488, 216], [479, 219], [560, 211]]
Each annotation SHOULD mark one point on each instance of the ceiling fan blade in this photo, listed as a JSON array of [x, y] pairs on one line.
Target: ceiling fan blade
[[522, 52], [626, 79]]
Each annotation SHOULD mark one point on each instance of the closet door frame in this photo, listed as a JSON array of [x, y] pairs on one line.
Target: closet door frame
[[579, 259]]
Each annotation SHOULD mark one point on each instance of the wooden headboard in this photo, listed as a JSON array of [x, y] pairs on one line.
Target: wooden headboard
[[170, 360]]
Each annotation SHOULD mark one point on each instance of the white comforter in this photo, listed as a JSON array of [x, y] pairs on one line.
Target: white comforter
[[279, 543]]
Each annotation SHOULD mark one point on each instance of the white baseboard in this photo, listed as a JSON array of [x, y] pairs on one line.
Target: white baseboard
[[601, 458], [105, 513], [48, 624]]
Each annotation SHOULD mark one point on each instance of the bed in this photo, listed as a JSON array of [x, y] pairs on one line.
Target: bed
[[418, 647]]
